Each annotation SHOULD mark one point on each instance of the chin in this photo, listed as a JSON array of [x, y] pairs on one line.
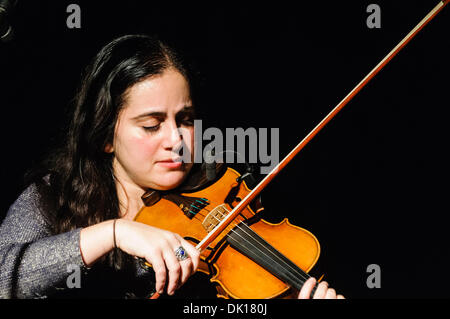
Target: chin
[[169, 180]]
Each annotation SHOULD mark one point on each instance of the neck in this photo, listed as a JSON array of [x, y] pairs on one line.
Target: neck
[[130, 201]]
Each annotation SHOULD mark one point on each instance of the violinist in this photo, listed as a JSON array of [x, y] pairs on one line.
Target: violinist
[[78, 209]]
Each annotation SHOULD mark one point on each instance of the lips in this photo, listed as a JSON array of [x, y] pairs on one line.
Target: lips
[[171, 163], [170, 160]]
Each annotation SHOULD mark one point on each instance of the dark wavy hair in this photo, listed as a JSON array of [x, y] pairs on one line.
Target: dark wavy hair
[[76, 181]]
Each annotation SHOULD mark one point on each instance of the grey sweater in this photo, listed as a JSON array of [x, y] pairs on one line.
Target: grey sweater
[[36, 264]]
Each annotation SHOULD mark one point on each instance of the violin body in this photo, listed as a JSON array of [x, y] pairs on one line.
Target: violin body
[[238, 261]]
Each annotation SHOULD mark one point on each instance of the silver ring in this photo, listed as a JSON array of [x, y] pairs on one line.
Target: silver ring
[[181, 254]]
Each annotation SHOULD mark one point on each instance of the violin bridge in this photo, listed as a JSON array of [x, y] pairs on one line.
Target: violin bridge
[[214, 217]]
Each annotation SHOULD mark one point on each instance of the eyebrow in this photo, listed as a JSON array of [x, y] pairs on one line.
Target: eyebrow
[[185, 109]]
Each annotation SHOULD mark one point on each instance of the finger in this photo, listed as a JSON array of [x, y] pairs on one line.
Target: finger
[[172, 262], [305, 292], [159, 267], [331, 294], [190, 264], [174, 269], [321, 290], [187, 268], [193, 253], [340, 297]]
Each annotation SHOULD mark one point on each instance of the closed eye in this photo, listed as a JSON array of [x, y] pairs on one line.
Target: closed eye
[[151, 128]]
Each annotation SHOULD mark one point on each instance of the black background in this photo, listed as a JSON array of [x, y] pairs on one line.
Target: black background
[[372, 186]]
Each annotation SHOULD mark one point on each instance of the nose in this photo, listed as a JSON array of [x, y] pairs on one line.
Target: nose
[[173, 136]]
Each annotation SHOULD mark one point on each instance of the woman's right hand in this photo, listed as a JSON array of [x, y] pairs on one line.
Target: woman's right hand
[[157, 247], [322, 291]]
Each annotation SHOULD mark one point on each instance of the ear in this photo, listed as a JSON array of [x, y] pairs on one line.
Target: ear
[[109, 148]]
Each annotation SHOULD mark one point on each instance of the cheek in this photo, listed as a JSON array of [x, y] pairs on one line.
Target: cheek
[[143, 147], [136, 150]]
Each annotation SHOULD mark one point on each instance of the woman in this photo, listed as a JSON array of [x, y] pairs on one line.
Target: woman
[[132, 115]]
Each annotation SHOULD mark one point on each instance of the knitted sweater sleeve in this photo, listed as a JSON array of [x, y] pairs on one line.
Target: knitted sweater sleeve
[[34, 263]]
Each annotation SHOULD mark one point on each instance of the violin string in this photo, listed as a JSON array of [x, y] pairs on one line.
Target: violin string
[[289, 275], [251, 234], [233, 224], [228, 228], [292, 270]]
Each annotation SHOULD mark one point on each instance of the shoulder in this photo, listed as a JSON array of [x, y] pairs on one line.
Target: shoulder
[[28, 199], [25, 215]]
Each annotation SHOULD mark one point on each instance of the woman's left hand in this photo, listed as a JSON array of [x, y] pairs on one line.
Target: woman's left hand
[[322, 291]]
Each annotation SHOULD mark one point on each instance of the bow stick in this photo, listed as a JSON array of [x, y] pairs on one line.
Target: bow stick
[[211, 236]]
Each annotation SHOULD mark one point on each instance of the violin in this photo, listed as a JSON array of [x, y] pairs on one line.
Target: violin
[[244, 255], [252, 258]]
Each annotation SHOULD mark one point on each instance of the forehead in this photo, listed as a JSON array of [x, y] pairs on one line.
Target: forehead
[[164, 92]]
